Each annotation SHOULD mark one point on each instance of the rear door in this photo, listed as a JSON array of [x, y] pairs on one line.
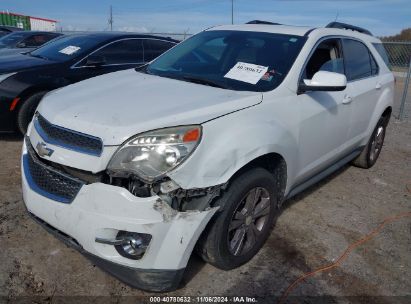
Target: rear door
[[363, 87]]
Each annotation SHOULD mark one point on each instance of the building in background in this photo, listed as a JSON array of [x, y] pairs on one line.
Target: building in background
[[42, 24], [27, 22]]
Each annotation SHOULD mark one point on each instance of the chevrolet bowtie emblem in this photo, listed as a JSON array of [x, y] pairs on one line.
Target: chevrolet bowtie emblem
[[42, 149]]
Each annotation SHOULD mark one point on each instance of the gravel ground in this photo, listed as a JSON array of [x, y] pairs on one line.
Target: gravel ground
[[313, 230]]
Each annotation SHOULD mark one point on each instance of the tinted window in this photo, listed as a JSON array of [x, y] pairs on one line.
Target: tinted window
[[66, 48], [381, 50], [326, 57], [154, 48], [10, 40], [207, 57], [37, 40], [357, 59], [122, 52]]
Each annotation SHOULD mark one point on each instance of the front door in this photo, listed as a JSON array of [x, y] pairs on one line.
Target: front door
[[324, 116], [116, 56]]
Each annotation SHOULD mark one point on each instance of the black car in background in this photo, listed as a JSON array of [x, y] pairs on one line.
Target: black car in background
[[6, 29], [26, 78], [18, 42]]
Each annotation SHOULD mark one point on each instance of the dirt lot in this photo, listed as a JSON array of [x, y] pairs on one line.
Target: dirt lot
[[314, 229]]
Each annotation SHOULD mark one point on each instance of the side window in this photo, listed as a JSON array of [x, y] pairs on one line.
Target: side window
[[154, 48], [381, 50], [122, 52], [357, 60], [326, 57], [36, 40]]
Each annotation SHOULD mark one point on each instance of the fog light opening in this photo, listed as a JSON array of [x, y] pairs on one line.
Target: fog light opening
[[134, 245]]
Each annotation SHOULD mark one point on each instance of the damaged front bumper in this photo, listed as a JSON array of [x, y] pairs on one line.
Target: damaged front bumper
[[102, 211]]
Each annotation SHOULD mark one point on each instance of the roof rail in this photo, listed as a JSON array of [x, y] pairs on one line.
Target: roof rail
[[262, 22], [346, 26]]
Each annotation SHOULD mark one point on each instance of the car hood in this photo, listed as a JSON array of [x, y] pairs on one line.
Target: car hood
[[119, 105], [18, 62]]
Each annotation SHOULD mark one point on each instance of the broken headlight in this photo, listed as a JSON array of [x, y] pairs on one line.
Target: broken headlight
[[149, 155]]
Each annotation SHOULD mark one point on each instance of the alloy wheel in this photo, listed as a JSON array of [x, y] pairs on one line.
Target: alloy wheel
[[377, 143], [248, 221]]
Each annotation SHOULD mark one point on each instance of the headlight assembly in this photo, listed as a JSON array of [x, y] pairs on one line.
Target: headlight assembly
[[149, 155]]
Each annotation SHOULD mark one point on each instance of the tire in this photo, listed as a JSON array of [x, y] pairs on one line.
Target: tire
[[217, 245], [27, 110], [372, 150]]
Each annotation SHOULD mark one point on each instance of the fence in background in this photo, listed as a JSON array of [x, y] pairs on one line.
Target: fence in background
[[177, 36], [399, 56]]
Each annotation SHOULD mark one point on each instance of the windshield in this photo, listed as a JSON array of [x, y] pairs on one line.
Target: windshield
[[10, 40], [236, 60], [65, 48]]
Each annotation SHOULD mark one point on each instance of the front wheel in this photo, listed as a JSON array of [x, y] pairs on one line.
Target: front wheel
[[27, 110], [240, 229]]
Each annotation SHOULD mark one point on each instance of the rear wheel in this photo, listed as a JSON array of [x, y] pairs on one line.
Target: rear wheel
[[240, 229], [27, 110], [372, 150]]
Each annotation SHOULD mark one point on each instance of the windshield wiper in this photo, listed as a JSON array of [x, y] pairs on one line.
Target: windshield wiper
[[204, 81]]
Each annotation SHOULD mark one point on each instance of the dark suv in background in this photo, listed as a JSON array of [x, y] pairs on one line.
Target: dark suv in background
[[26, 78], [6, 29]]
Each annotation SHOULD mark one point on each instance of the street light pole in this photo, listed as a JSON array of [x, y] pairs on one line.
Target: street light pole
[[110, 20]]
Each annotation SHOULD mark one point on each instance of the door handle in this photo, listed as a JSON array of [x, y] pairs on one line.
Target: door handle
[[378, 86], [347, 99]]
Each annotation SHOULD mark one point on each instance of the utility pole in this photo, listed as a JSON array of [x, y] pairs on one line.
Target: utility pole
[[110, 19], [232, 11]]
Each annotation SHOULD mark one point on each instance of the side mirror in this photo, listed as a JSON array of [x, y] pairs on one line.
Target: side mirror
[[324, 81], [95, 61]]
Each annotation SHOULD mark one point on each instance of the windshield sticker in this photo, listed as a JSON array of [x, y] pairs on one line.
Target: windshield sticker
[[267, 77], [293, 39], [246, 72], [69, 50]]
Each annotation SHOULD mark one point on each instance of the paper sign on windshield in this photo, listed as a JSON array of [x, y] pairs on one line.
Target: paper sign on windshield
[[246, 72], [68, 50]]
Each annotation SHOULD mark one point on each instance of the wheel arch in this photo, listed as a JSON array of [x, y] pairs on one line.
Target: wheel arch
[[383, 107], [274, 163], [25, 94], [387, 114]]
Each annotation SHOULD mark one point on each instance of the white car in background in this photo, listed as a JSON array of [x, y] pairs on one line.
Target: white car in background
[[203, 145]]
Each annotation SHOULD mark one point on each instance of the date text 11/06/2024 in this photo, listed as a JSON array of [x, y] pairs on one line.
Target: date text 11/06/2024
[[202, 299]]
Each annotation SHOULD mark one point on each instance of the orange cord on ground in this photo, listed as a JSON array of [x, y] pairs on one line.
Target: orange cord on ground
[[345, 254]]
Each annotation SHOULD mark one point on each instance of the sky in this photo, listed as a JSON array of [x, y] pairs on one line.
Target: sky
[[381, 17]]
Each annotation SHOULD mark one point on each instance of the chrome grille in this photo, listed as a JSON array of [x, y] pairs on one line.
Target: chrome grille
[[67, 138], [47, 181]]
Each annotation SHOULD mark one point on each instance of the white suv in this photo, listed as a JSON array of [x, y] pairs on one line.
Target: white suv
[[203, 145]]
